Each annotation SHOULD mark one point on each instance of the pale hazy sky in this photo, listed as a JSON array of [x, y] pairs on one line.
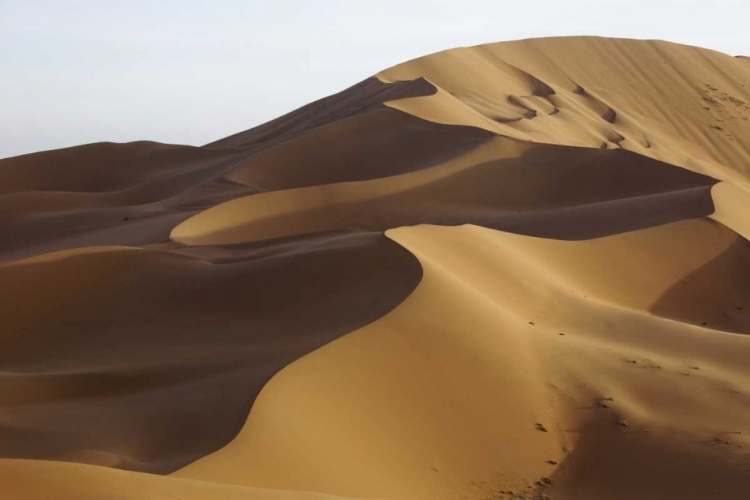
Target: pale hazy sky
[[189, 72]]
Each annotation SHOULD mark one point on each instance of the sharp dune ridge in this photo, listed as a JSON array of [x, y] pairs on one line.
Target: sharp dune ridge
[[511, 271]]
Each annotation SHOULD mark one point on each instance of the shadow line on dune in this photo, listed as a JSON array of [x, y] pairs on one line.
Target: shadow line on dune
[[696, 299], [160, 356]]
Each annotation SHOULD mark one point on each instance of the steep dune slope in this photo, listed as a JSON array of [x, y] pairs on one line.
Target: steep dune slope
[[148, 360], [280, 315], [374, 144], [134, 194], [501, 361], [550, 191], [683, 105]]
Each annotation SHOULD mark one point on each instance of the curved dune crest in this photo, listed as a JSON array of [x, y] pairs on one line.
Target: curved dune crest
[[123, 357], [360, 98], [501, 183], [501, 361], [683, 105], [374, 144], [731, 203], [512, 271], [106, 194]]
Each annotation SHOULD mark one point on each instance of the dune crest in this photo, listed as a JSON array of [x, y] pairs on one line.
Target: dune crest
[[683, 105], [509, 353], [512, 271]]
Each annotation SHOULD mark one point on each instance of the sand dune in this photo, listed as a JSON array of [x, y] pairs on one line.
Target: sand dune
[[66, 481], [684, 105], [375, 144], [502, 183], [451, 385], [367, 95], [146, 346], [517, 270], [106, 194]]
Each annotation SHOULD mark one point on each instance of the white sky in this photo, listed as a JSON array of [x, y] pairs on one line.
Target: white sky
[[190, 72]]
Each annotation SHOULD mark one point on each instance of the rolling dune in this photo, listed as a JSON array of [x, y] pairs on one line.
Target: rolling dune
[[502, 184], [453, 383], [150, 344], [512, 271]]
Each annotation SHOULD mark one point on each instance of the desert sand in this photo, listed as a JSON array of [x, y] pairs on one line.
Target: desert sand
[[512, 271]]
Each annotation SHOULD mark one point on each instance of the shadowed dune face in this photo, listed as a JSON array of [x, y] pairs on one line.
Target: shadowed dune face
[[360, 98], [501, 183], [280, 315], [117, 356], [106, 194], [614, 466], [445, 396], [374, 144], [715, 295], [103, 167], [683, 105], [134, 194], [51, 232]]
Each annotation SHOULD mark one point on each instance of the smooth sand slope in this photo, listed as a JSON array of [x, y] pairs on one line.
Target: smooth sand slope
[[454, 385], [502, 183], [162, 354], [25, 479], [683, 105], [512, 271]]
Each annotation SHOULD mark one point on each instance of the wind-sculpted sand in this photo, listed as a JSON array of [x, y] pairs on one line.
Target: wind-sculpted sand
[[512, 271]]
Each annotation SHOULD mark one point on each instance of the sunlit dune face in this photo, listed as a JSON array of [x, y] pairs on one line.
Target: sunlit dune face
[[512, 271]]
